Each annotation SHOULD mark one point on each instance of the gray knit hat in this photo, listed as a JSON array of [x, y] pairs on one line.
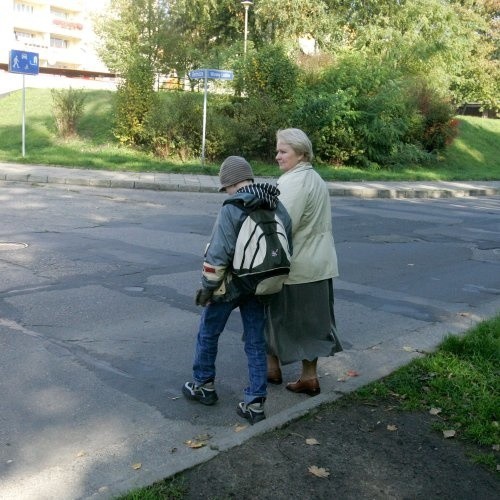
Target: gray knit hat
[[234, 169]]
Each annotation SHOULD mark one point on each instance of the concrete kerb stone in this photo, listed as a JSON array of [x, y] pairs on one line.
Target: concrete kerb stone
[[41, 174]]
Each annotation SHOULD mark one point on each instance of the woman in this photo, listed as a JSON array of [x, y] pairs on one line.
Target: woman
[[300, 320]]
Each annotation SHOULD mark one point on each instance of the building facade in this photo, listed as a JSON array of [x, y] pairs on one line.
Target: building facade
[[60, 31]]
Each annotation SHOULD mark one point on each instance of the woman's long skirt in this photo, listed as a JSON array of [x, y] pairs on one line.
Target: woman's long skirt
[[301, 322]]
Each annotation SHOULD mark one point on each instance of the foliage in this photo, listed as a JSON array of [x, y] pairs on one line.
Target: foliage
[[287, 21], [176, 125], [68, 105], [130, 30], [439, 127], [329, 119], [135, 101], [132, 34], [169, 489], [452, 44], [199, 32], [359, 111], [254, 122], [269, 72]]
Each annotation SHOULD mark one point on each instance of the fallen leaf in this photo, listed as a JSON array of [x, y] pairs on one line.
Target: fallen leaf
[[435, 411], [392, 427], [449, 433], [352, 373], [192, 443], [137, 466], [240, 427], [318, 471], [407, 348], [312, 441], [341, 379], [80, 454]]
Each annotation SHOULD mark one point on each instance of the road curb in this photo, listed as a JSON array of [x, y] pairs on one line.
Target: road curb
[[41, 174]]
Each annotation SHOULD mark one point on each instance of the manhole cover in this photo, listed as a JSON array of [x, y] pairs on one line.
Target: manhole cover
[[12, 245]]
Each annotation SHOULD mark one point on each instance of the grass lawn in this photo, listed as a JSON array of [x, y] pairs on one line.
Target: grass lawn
[[474, 155], [460, 382]]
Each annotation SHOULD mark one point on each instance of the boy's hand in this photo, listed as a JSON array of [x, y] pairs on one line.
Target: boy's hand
[[203, 297]]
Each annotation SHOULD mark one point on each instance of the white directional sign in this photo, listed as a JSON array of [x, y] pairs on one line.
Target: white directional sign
[[220, 74], [197, 73], [215, 74], [23, 62]]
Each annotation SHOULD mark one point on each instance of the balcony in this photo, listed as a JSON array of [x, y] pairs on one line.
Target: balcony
[[66, 28]]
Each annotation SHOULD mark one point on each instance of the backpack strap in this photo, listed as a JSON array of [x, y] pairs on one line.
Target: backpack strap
[[240, 204]]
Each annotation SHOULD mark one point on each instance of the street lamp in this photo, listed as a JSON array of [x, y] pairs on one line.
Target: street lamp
[[246, 4]]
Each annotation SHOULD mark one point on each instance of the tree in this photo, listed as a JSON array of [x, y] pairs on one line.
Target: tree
[[198, 32], [450, 43], [132, 36], [131, 28], [286, 21]]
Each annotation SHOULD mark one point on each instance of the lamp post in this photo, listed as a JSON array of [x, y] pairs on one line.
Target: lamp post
[[246, 4]]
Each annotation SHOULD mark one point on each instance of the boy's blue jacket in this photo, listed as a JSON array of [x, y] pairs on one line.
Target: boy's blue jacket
[[219, 253]]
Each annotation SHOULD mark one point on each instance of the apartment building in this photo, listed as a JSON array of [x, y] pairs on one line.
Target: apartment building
[[60, 31]]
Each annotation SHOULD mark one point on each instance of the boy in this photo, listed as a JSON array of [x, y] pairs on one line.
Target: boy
[[220, 293]]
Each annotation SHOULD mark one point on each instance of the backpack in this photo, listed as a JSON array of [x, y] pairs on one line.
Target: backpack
[[262, 253]]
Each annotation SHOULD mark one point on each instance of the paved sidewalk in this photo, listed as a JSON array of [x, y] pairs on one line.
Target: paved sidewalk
[[41, 174]]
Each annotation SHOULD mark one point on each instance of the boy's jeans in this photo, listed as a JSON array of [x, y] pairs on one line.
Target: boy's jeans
[[213, 320]]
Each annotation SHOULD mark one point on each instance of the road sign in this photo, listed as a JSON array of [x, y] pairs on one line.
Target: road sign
[[197, 73], [220, 74], [215, 74], [23, 62]]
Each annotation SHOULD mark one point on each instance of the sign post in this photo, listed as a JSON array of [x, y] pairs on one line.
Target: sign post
[[24, 63], [216, 74]]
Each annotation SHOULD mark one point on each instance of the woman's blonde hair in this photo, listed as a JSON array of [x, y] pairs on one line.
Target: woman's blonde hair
[[297, 140]]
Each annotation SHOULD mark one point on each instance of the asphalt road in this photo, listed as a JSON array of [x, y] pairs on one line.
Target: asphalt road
[[98, 324]]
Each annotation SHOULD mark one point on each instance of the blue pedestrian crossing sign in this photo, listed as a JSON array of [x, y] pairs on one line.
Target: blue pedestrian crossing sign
[[23, 62]]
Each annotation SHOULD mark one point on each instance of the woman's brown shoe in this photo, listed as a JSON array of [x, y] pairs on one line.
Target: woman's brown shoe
[[274, 376], [309, 387]]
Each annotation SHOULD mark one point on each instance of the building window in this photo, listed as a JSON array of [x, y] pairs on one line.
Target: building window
[[23, 35], [23, 8], [59, 13], [59, 43]]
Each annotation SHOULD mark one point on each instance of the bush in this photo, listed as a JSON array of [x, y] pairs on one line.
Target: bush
[[360, 112], [176, 125], [135, 102], [68, 109], [268, 72], [328, 120], [256, 120], [439, 128]]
